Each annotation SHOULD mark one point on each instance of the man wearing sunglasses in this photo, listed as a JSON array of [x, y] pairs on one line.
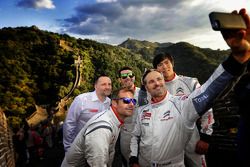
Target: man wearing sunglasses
[[84, 107], [163, 126], [182, 85], [95, 143], [127, 80]]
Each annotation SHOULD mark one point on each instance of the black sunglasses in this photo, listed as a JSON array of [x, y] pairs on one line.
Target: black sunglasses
[[127, 100], [130, 75]]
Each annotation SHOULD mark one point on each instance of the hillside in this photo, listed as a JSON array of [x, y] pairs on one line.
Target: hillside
[[145, 48], [37, 67], [189, 59]]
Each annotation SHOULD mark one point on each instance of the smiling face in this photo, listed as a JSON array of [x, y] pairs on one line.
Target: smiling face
[[155, 84], [103, 86], [123, 107], [127, 79], [166, 68]]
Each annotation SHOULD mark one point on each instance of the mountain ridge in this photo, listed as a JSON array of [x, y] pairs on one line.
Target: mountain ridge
[[184, 53]]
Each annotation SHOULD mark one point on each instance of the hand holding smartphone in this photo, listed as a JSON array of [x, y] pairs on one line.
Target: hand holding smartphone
[[221, 21]]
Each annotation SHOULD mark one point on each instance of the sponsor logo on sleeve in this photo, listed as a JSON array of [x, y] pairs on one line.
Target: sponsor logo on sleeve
[[201, 98]]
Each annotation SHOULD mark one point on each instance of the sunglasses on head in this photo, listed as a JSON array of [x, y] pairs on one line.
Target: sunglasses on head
[[124, 76], [127, 100]]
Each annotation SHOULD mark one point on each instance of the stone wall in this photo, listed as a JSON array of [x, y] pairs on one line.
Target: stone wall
[[6, 145]]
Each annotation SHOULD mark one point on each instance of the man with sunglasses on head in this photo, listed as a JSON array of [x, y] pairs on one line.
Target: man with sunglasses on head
[[95, 143], [163, 126], [84, 107], [182, 85], [127, 80]]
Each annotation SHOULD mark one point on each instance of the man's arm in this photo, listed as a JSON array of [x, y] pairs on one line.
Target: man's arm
[[239, 42], [202, 99], [205, 127], [135, 141], [205, 123], [70, 123], [97, 145], [233, 67]]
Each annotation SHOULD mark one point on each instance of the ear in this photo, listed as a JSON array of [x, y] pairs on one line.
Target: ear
[[172, 63], [95, 86], [146, 87], [133, 79], [114, 103], [119, 79]]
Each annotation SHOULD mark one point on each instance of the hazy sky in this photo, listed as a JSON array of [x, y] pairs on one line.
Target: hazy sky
[[113, 21]]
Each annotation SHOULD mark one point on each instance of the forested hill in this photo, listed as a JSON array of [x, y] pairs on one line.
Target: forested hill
[[37, 67], [189, 59]]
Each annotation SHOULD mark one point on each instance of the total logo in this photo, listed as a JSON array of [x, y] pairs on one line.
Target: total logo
[[201, 98]]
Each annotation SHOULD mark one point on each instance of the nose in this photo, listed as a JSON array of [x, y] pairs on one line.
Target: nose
[[132, 103], [164, 65], [108, 87], [157, 83]]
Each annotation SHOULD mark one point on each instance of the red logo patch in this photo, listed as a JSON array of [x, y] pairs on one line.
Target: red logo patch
[[146, 115], [93, 110]]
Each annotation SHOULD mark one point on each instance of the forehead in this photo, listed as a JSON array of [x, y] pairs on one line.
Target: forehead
[[165, 60], [124, 93], [153, 75], [126, 71], [104, 80]]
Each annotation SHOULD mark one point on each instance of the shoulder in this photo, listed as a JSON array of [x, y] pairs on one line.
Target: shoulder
[[144, 108], [186, 78], [190, 81], [136, 93], [85, 96], [97, 126], [137, 89], [107, 100]]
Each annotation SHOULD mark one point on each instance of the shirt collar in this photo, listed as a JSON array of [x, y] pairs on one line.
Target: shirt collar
[[95, 98], [115, 112], [175, 76], [159, 101]]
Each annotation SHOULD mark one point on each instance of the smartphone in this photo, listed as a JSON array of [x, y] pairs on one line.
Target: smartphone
[[220, 21]]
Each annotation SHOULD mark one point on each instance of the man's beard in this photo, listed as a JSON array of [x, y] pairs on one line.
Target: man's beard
[[106, 93], [128, 85], [158, 93]]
